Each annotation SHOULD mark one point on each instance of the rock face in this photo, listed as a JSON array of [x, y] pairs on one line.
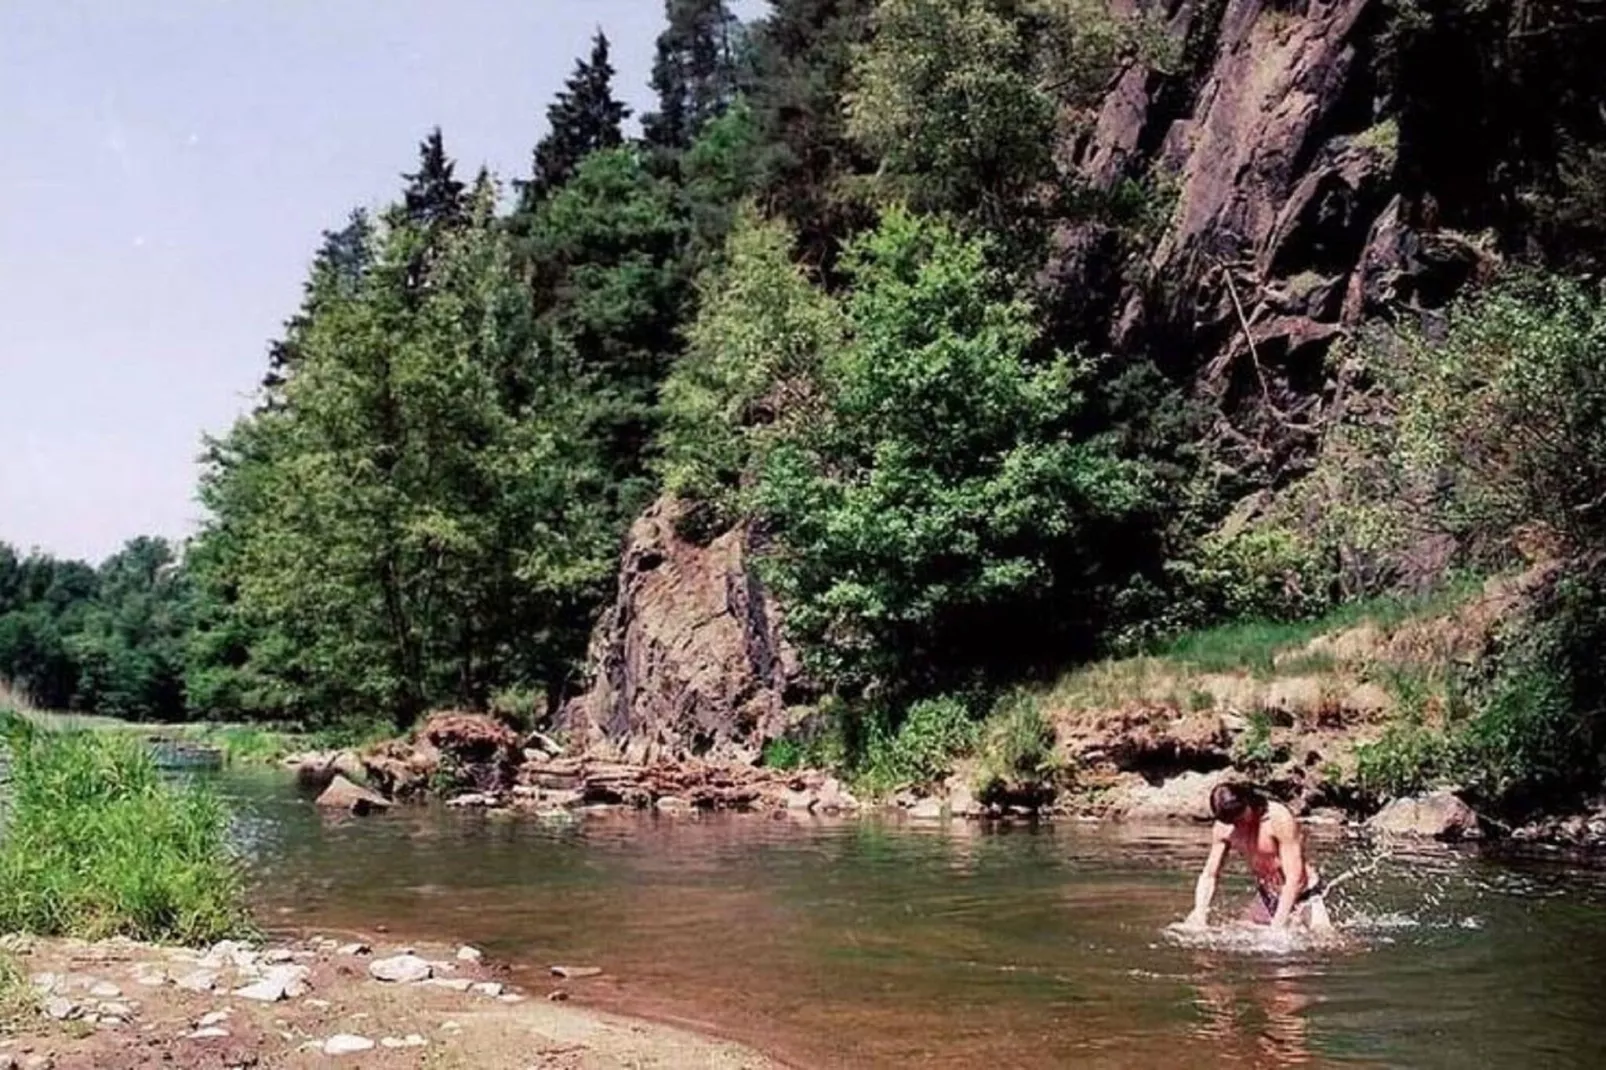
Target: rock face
[[1441, 815], [689, 661], [1287, 227]]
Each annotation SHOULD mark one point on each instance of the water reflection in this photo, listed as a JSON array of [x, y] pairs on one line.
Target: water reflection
[[1259, 1021], [877, 944]]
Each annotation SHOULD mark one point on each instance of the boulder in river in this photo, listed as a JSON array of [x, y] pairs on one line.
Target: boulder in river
[[1441, 815], [342, 794]]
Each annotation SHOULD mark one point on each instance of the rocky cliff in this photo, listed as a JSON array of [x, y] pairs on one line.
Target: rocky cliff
[[1278, 222], [689, 660], [1270, 145]]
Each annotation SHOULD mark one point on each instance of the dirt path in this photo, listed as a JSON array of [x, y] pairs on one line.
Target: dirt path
[[119, 1005]]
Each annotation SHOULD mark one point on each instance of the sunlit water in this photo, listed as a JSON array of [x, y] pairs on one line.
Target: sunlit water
[[876, 944]]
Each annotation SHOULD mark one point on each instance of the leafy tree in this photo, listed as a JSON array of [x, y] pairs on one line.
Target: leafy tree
[[694, 72], [585, 118], [717, 173], [939, 517], [130, 646], [945, 96], [753, 356]]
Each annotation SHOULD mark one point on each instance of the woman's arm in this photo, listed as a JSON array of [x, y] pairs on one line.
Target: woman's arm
[[1204, 890]]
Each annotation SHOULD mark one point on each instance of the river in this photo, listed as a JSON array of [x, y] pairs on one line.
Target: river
[[872, 943]]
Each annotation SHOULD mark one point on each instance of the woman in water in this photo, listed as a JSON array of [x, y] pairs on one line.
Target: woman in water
[[1288, 888]]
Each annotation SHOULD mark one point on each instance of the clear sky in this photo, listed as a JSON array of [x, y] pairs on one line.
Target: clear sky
[[168, 166]]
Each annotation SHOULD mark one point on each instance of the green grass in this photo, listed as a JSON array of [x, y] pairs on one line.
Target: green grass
[[1253, 646], [247, 744], [98, 843], [17, 1000]]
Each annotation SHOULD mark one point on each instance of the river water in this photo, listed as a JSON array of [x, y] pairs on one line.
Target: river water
[[871, 943]]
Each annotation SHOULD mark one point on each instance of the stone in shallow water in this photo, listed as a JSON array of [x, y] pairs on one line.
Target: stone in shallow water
[[346, 1044], [400, 969]]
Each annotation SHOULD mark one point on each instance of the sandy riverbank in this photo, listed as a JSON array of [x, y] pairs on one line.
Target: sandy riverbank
[[119, 1005]]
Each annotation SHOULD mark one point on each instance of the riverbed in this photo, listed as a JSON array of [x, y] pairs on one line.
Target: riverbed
[[879, 943]]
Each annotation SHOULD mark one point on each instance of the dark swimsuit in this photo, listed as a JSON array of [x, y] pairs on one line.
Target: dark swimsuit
[[1269, 896]]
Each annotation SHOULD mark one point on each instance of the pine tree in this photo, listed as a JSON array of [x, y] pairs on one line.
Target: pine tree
[[584, 119], [433, 197], [802, 55], [337, 267], [694, 73]]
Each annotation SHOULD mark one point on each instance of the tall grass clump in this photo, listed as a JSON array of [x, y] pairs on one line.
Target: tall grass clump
[[17, 999], [97, 844]]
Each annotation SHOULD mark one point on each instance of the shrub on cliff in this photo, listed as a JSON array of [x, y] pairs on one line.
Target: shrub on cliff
[[97, 844]]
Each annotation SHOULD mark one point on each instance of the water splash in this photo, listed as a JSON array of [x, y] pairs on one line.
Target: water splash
[[1247, 938]]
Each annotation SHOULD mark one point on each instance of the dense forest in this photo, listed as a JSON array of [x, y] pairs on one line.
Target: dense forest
[[823, 297]]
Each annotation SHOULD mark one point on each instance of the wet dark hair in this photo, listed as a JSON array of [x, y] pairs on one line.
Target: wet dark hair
[[1229, 801]]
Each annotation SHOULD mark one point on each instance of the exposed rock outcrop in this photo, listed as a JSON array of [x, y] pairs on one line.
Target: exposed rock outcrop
[[342, 794], [1288, 226], [1440, 815], [689, 660]]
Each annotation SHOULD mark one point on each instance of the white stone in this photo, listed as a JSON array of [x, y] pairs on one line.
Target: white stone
[[317, 1004], [61, 1009], [411, 1040], [346, 1044], [115, 1010], [45, 983], [510, 997], [354, 949], [104, 990], [489, 988], [452, 984], [212, 1018], [278, 982], [469, 954], [211, 1032], [278, 956], [401, 969], [198, 981]]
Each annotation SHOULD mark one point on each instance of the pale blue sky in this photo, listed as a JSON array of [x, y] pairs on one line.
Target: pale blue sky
[[168, 166]]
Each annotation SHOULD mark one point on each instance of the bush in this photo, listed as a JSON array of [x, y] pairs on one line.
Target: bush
[[1407, 758], [97, 844], [1017, 750], [922, 750]]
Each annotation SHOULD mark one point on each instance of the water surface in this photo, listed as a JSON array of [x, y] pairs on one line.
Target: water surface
[[872, 943]]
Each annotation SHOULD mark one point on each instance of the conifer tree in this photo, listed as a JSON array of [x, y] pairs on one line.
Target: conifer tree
[[694, 73], [433, 198], [585, 118]]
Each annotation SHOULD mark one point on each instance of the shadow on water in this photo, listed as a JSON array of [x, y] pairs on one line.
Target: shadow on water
[[875, 944]]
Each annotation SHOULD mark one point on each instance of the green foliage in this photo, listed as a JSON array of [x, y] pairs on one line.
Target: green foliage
[[1017, 748], [938, 494], [919, 751], [98, 844], [18, 1001], [753, 355], [1253, 750], [945, 96], [585, 118], [1265, 573], [694, 71], [1508, 404], [1407, 758]]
